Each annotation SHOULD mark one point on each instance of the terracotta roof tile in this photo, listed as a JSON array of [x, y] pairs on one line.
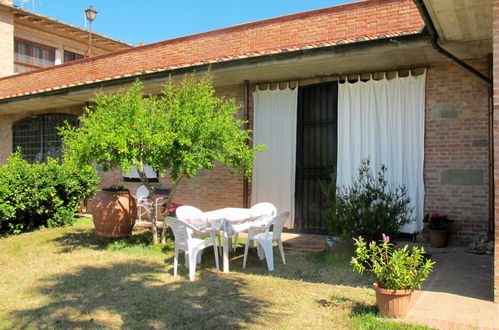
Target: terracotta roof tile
[[355, 22]]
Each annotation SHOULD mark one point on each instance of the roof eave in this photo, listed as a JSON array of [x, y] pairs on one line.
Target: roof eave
[[221, 65]]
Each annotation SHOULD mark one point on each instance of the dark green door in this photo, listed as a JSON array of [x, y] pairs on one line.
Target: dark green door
[[317, 137]]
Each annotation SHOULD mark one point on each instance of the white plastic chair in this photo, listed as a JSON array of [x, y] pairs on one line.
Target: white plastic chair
[[144, 201], [265, 239], [191, 215], [187, 239], [260, 212], [195, 217]]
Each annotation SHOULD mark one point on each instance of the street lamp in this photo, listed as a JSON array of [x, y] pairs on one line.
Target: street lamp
[[90, 13]]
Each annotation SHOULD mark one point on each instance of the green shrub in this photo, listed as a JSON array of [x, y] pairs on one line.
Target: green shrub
[[367, 208], [42, 194]]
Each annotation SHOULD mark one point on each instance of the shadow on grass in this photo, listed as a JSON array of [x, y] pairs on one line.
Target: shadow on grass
[[85, 238], [130, 295], [330, 267], [357, 308]]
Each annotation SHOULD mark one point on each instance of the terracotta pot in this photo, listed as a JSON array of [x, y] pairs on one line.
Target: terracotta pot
[[438, 238], [114, 213], [393, 303], [426, 233]]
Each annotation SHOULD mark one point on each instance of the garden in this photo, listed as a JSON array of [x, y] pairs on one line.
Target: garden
[[56, 272], [69, 278]]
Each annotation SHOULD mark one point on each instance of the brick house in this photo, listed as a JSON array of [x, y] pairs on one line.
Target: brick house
[[323, 55]]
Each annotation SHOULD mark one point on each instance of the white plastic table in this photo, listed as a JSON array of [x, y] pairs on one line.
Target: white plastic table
[[223, 219]]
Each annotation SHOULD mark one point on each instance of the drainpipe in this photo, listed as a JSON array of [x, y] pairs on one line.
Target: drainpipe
[[246, 127], [432, 31], [491, 152], [430, 27]]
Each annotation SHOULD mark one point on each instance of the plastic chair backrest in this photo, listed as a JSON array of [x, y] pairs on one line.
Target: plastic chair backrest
[[278, 222], [180, 230], [191, 215], [263, 209], [142, 192]]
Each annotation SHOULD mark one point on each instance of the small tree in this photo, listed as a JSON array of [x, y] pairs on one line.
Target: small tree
[[183, 130]]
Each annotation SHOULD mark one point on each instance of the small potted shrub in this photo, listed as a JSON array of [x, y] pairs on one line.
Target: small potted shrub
[[114, 211], [399, 272], [438, 226]]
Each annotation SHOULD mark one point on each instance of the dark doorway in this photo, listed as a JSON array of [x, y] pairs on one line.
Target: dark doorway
[[316, 151]]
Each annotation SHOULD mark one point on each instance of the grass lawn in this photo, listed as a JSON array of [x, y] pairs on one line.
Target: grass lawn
[[69, 278]]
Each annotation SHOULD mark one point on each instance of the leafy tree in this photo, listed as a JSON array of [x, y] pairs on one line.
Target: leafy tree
[[183, 130]]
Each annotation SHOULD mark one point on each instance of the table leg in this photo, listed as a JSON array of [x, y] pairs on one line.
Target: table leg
[[226, 248]]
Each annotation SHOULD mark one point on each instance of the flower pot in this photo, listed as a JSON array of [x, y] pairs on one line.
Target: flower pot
[[426, 233], [393, 303], [438, 238], [114, 213]]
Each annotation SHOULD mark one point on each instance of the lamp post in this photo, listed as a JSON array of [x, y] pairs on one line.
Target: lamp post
[[90, 13]]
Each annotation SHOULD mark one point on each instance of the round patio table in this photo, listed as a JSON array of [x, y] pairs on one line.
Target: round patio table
[[224, 219]]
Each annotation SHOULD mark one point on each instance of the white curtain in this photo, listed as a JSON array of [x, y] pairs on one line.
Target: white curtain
[[274, 169], [383, 120]]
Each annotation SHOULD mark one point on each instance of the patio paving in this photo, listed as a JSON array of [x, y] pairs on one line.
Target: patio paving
[[458, 294]]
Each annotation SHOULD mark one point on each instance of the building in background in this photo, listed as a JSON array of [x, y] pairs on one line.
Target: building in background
[[31, 41]]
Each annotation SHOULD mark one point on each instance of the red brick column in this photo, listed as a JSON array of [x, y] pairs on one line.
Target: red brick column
[[495, 28]]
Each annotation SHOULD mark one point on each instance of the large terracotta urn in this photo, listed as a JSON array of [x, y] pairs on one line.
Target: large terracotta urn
[[393, 303], [114, 213]]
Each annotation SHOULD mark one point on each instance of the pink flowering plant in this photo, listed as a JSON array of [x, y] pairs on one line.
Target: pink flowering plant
[[437, 221], [171, 210], [395, 269]]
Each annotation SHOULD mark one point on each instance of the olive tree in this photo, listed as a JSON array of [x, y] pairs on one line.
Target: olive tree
[[179, 132]]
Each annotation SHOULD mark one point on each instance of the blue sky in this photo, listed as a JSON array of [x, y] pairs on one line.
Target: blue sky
[[155, 20]]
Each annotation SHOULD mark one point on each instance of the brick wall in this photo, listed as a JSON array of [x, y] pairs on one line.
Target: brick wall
[[6, 43], [345, 22], [456, 148], [495, 34], [216, 189]]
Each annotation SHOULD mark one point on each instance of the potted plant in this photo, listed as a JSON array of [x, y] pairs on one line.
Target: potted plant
[[438, 226], [170, 210], [114, 211], [399, 272]]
